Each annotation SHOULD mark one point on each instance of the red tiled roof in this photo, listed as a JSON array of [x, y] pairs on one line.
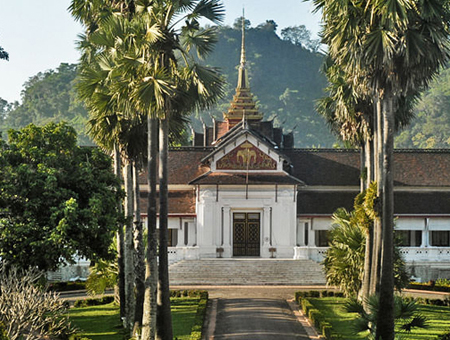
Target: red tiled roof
[[405, 202], [180, 202], [419, 168]]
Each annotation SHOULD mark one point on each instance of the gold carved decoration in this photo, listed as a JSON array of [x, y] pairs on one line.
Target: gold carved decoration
[[246, 156]]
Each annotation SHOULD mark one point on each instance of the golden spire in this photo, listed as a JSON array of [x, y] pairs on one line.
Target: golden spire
[[242, 107], [243, 77]]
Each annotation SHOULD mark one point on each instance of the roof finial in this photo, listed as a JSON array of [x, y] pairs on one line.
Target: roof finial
[[242, 76], [243, 39]]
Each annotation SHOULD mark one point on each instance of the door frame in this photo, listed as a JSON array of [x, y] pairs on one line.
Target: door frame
[[247, 211]]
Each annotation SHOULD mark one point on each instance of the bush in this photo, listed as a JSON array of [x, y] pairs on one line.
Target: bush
[[26, 307], [445, 336], [196, 332], [94, 302], [3, 334], [326, 330], [66, 286]]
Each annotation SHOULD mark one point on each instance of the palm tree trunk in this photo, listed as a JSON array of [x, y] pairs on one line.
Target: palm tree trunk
[[120, 241], [164, 325], [151, 264], [378, 151], [366, 163], [129, 247], [139, 265], [385, 322]]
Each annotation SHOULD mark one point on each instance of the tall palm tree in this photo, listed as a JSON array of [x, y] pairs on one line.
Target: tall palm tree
[[152, 66], [193, 85], [399, 45]]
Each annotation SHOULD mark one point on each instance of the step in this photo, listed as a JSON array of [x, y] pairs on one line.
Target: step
[[245, 271]]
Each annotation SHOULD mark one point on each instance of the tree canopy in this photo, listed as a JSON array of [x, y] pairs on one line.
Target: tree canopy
[[48, 96], [57, 200]]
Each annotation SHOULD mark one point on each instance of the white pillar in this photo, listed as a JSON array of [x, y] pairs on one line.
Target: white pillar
[[311, 235], [181, 233], [226, 227], [266, 226]]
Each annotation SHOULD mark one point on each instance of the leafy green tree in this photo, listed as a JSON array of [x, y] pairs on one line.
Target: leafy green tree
[[300, 35], [431, 126], [57, 200], [50, 97]]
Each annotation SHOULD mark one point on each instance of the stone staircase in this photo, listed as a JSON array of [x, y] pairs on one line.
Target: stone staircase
[[246, 271]]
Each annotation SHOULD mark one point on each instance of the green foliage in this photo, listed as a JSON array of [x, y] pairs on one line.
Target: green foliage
[[94, 302], [445, 336], [102, 275], [57, 200], [431, 126], [344, 260], [196, 332], [3, 334], [66, 286], [49, 97], [317, 318], [405, 314]]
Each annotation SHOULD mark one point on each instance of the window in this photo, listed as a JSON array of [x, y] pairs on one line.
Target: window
[[409, 238], [440, 238], [173, 238], [321, 238]]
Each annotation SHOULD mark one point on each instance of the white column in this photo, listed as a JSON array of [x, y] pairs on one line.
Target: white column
[[226, 227], [181, 233], [311, 235], [266, 226], [426, 234]]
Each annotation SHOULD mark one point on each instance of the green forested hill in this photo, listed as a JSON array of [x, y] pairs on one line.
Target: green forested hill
[[284, 77]]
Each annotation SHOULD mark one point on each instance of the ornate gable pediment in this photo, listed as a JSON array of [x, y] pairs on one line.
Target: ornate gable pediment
[[246, 156]]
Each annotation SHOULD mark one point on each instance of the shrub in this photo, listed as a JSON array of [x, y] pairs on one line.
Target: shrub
[[94, 302], [26, 310], [3, 334], [196, 332], [445, 336]]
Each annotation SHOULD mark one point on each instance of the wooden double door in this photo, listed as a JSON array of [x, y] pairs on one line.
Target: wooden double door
[[246, 234]]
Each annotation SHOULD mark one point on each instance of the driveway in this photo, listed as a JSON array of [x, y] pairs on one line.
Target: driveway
[[256, 319]]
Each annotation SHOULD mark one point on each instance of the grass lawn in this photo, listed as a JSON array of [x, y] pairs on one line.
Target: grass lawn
[[438, 320], [103, 322]]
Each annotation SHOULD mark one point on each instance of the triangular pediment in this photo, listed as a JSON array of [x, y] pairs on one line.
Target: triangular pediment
[[246, 156], [245, 152]]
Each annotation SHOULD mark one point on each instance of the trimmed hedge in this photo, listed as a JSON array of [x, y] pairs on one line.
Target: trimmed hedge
[[314, 315], [196, 332], [315, 294], [94, 302], [431, 286], [66, 286]]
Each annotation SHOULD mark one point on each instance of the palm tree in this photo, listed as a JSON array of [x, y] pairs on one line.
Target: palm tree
[[194, 86], [398, 46]]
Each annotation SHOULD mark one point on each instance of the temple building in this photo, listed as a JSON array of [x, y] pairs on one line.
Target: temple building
[[243, 190]]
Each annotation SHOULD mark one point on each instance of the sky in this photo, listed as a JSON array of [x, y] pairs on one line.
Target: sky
[[40, 35]]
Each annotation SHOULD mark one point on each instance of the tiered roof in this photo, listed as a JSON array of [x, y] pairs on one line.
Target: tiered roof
[[242, 106]]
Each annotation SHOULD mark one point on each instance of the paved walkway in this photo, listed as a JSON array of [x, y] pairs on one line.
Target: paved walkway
[[256, 319], [255, 313]]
